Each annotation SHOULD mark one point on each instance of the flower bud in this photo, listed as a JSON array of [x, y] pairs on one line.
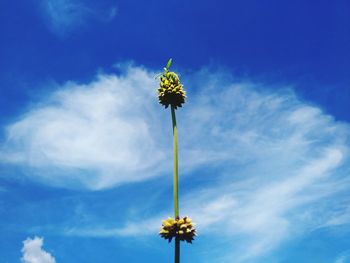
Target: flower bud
[[170, 91]]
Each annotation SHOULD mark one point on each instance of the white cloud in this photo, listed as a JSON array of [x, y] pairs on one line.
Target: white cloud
[[64, 16], [269, 166], [341, 259], [287, 160], [34, 253], [265, 214], [96, 135], [143, 228]]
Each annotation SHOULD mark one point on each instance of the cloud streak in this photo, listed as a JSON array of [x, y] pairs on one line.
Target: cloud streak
[[65, 16], [341, 259]]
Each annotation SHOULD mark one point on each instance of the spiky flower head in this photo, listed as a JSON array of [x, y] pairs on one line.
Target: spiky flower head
[[181, 228], [170, 91]]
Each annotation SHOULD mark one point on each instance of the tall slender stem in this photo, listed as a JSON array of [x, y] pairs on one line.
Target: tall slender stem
[[176, 169], [176, 182]]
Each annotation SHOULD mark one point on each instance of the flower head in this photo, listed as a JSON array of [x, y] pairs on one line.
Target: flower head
[[170, 91], [181, 228]]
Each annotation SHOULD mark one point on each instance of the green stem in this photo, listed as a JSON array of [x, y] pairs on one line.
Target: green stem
[[176, 169], [176, 182]]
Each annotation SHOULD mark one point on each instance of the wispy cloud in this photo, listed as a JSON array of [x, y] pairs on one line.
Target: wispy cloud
[[341, 259], [34, 253], [96, 135], [64, 16], [130, 229], [267, 166]]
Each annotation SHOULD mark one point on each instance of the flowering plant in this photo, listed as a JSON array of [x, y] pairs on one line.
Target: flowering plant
[[171, 92]]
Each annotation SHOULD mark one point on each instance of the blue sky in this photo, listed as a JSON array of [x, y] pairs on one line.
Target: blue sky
[[86, 151]]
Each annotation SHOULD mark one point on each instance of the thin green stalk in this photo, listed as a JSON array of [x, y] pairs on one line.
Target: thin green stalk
[[176, 169], [176, 182]]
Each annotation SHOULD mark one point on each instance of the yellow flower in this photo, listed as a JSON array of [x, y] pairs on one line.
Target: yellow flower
[[183, 229], [170, 91]]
